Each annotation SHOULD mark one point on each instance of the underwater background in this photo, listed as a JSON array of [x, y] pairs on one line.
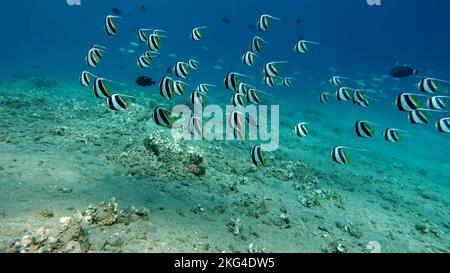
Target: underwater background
[[77, 177]]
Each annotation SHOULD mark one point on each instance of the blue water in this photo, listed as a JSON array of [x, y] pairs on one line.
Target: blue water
[[51, 38]]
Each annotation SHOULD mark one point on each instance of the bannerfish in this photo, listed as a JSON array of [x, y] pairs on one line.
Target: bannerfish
[[196, 34], [258, 156], [263, 23], [302, 46], [111, 27], [339, 155], [145, 81], [392, 135], [403, 71]]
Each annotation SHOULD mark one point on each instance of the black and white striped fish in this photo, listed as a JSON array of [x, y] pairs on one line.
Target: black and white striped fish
[[419, 116], [256, 44], [196, 34], [238, 134], [144, 61], [194, 127], [154, 42], [231, 81], [237, 120], [94, 56], [364, 129], [430, 85], [197, 98], [288, 81], [166, 88], [243, 88], [193, 64], [204, 88], [301, 129], [392, 135], [407, 102], [101, 89], [249, 58], [181, 69], [270, 70], [85, 78], [238, 100], [163, 117], [324, 97], [437, 102], [142, 35], [337, 80], [258, 156], [264, 22], [270, 81], [344, 94], [443, 125], [361, 99], [339, 154], [253, 96], [111, 27], [302, 46], [178, 87], [117, 102]]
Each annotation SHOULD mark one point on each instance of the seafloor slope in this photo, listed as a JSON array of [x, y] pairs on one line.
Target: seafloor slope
[[62, 155]]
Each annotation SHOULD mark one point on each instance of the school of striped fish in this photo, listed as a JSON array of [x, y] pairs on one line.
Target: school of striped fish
[[417, 106]]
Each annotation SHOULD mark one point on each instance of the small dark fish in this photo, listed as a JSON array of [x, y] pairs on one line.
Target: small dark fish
[[403, 71], [169, 70], [142, 8], [299, 21], [116, 11], [226, 20], [145, 81]]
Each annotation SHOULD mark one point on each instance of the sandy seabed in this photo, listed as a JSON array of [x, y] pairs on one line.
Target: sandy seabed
[[76, 177]]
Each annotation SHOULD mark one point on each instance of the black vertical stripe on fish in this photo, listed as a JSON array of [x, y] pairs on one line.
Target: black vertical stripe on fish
[[443, 125], [166, 87], [197, 98], [85, 79], [301, 130], [324, 97], [181, 70], [237, 100], [406, 102], [436, 103], [269, 81], [154, 43], [101, 90], [418, 117], [338, 155], [363, 129], [111, 27], [258, 157], [161, 116], [231, 81], [116, 102]]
